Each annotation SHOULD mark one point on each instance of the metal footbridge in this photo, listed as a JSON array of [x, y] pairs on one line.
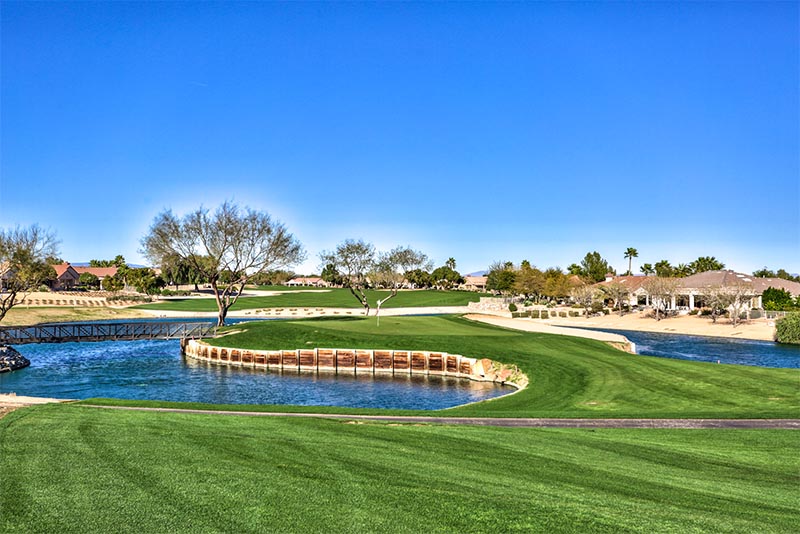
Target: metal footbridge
[[70, 332]]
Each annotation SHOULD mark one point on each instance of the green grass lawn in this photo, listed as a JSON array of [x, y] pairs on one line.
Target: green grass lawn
[[71, 468], [68, 468], [569, 377], [334, 298]]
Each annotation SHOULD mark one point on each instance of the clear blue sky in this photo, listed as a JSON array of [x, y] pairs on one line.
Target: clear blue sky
[[482, 131]]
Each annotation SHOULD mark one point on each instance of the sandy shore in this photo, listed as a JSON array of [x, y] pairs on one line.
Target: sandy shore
[[11, 401], [760, 329], [529, 325]]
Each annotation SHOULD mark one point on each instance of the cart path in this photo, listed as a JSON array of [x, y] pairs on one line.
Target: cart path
[[785, 424]]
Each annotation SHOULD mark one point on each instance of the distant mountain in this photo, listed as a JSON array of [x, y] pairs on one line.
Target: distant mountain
[[478, 273], [86, 264]]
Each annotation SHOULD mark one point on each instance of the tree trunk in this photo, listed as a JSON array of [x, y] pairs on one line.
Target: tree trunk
[[222, 305], [381, 302]]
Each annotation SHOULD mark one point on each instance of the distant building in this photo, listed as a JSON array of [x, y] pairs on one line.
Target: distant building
[[100, 272], [311, 281], [637, 294], [693, 289], [66, 277], [474, 283]]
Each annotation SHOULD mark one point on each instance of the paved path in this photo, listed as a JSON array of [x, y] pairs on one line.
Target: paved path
[[793, 424]]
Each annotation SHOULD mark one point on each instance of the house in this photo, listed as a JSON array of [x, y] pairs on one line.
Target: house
[[692, 289], [100, 272], [637, 294], [474, 283], [313, 281], [66, 277]]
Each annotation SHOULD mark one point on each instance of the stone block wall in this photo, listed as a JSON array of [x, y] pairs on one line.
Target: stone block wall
[[359, 361]]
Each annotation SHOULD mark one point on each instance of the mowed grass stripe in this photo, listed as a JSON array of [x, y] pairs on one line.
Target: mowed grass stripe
[[333, 298], [74, 469], [569, 377]]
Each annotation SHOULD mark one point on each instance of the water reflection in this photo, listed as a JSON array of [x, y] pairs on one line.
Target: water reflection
[[155, 369], [714, 349]]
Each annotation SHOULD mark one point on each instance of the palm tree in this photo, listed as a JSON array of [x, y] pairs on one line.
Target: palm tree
[[664, 269], [683, 270], [451, 262], [631, 253], [647, 269]]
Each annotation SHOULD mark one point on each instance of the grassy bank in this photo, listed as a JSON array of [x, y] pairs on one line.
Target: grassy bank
[[76, 469], [334, 298], [22, 315], [570, 377]]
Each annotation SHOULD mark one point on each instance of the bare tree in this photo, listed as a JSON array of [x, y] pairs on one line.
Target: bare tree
[[237, 242], [353, 260], [584, 295], [392, 267], [661, 291], [617, 292], [734, 298], [23, 263]]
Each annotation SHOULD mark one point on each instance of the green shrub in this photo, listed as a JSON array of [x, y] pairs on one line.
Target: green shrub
[[787, 329], [562, 314], [694, 311], [574, 314], [512, 307], [545, 314], [171, 293], [132, 298]]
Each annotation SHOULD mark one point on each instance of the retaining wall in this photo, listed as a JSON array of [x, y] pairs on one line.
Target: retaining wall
[[359, 361]]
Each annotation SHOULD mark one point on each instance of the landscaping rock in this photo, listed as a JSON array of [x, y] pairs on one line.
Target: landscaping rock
[[11, 360]]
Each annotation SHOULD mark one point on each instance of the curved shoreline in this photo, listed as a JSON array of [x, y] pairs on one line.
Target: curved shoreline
[[370, 361], [617, 341]]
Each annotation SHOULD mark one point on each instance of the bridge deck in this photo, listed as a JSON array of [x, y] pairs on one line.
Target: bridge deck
[[61, 333]]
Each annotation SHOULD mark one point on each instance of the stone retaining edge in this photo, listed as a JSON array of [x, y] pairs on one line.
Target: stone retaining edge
[[371, 361]]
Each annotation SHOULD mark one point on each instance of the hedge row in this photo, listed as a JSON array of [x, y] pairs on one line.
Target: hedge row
[[787, 329]]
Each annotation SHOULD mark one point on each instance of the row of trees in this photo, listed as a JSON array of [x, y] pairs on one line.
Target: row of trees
[[664, 268], [780, 273], [234, 246], [418, 275], [357, 265], [531, 282]]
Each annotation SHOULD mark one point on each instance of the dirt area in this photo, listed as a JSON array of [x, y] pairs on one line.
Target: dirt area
[[11, 401], [759, 329], [536, 325], [517, 422]]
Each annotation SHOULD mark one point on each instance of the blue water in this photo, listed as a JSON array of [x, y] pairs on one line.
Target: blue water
[[156, 370], [714, 349]]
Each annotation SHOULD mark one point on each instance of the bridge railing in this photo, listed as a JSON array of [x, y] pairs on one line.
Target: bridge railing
[[58, 333]]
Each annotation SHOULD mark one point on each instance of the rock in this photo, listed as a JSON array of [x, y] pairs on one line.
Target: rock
[[11, 360]]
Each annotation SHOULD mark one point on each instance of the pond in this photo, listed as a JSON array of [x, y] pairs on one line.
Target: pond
[[714, 349], [156, 370]]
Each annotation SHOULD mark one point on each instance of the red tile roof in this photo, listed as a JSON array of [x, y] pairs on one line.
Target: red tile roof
[[64, 268], [99, 272], [632, 282]]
